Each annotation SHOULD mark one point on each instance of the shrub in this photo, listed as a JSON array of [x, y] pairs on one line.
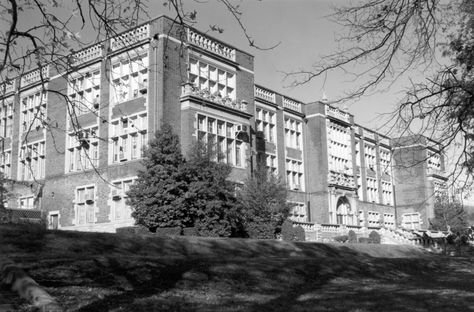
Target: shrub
[[364, 240], [165, 231], [374, 237], [352, 237], [132, 230], [341, 239], [300, 235], [260, 230], [291, 233], [190, 231]]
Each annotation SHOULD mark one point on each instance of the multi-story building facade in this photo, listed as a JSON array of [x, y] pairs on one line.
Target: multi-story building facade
[[73, 140]]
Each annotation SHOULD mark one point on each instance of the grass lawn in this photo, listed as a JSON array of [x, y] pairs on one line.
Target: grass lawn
[[108, 272]]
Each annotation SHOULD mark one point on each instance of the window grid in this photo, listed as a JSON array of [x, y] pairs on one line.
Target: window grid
[[6, 118], [26, 202], [33, 111], [293, 133], [220, 135], [387, 193], [6, 164], [434, 161], [339, 139], [385, 160], [372, 190], [294, 174], [411, 220], [129, 137], [272, 163], [129, 76], [215, 80], [85, 205], [82, 150], [84, 91], [120, 209], [298, 212], [389, 220], [373, 218], [266, 123], [370, 158], [32, 161]]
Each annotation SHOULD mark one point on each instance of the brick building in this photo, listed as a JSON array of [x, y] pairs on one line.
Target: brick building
[[76, 162]]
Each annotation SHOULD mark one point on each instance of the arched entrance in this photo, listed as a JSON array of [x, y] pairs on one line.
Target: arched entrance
[[344, 213]]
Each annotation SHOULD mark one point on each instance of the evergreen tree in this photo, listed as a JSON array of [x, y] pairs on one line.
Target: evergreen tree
[[263, 201], [157, 196], [210, 198]]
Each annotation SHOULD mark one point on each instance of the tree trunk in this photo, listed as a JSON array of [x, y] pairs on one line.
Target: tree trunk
[[14, 277]]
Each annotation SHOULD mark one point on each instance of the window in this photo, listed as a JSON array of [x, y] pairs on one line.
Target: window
[[373, 218], [129, 137], [33, 110], [357, 151], [32, 161], [85, 205], [389, 220], [361, 218], [293, 133], [265, 122], [372, 190], [27, 202], [217, 81], [82, 150], [294, 174], [298, 212], [120, 210], [370, 158], [84, 91], [272, 164], [359, 187], [434, 161], [440, 188], [6, 118], [221, 135], [6, 164], [339, 145], [387, 193], [129, 75], [385, 161], [411, 220]]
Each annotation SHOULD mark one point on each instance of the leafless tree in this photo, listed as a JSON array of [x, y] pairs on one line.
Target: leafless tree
[[389, 40]]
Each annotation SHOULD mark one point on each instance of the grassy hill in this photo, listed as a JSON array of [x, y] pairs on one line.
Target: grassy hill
[[108, 272]]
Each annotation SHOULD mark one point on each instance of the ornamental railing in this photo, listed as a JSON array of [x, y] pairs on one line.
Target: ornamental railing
[[86, 55], [210, 45], [130, 37], [337, 113], [291, 104], [34, 76], [190, 90], [264, 95]]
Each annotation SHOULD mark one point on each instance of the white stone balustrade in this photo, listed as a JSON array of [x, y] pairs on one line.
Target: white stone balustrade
[[130, 37], [291, 104], [34, 76], [384, 141], [86, 55], [188, 89], [264, 95], [211, 45], [369, 135], [337, 113], [307, 226], [7, 87]]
